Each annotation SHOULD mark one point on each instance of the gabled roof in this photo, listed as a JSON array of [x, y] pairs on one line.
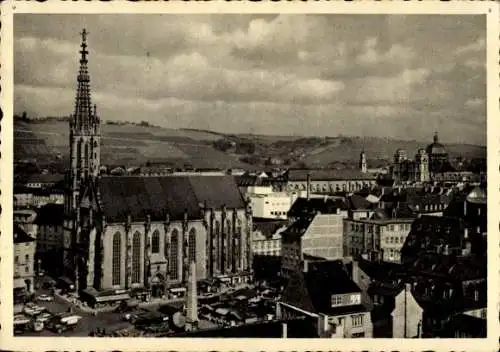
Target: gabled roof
[[357, 202], [268, 228], [296, 293], [297, 229], [20, 236], [304, 206], [138, 196]]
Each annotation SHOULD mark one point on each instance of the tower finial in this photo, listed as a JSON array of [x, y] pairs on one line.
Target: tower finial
[[84, 51], [436, 137]]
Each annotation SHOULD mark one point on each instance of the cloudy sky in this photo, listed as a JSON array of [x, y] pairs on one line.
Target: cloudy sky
[[366, 75]]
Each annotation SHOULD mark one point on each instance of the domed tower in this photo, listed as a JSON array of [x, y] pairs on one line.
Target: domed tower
[[438, 156], [362, 162], [422, 166]]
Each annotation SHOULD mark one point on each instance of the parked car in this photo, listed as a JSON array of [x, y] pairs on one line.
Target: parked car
[[45, 298], [44, 317]]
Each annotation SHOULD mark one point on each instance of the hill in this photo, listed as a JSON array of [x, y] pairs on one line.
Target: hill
[[46, 142]]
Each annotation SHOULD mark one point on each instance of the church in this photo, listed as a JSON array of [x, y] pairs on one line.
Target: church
[[126, 233]]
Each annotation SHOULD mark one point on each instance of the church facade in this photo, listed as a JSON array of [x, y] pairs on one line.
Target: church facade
[[144, 232]]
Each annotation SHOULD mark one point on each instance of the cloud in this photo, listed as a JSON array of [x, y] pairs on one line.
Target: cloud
[[285, 74]]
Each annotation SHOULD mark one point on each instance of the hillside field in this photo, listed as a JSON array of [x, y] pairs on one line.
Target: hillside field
[[133, 145]]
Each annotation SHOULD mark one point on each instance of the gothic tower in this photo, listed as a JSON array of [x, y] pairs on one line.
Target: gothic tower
[[362, 162], [85, 131], [84, 143]]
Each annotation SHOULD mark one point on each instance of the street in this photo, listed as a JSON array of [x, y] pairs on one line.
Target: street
[[107, 320]]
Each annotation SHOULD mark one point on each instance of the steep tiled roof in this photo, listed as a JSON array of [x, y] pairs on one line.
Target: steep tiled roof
[[296, 293], [268, 228], [20, 236], [304, 206], [298, 228], [357, 202], [328, 175], [142, 195]]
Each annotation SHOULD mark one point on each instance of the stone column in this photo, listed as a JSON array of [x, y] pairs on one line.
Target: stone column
[[128, 253], [222, 241], [211, 235], [185, 248], [166, 249], [147, 251]]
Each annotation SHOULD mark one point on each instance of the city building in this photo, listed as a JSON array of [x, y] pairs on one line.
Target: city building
[[46, 181], [428, 164], [267, 204], [319, 235], [49, 249], [326, 294], [266, 236], [382, 235], [138, 233], [24, 263], [329, 181], [26, 219]]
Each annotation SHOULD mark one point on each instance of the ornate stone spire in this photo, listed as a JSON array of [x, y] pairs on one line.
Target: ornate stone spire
[[83, 117]]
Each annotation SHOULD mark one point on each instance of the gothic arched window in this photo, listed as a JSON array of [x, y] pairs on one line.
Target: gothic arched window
[[174, 253], [192, 246], [155, 242], [117, 259], [86, 157], [136, 258], [166, 246]]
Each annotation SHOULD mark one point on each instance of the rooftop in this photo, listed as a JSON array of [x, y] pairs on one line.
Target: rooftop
[[20, 236], [328, 175], [139, 196]]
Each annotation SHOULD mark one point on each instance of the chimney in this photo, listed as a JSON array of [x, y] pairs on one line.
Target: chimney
[[308, 185]]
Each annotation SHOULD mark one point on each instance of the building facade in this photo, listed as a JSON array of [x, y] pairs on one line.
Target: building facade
[[24, 262], [143, 232], [384, 237], [329, 181], [267, 204]]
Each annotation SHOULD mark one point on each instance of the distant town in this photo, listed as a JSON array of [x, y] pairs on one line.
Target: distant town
[[245, 239]]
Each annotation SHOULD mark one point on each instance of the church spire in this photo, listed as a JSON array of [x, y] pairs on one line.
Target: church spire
[[83, 117]]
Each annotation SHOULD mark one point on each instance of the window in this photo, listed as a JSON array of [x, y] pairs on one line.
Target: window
[[27, 257], [357, 320], [136, 258], [174, 241], [155, 242], [391, 227], [26, 268], [192, 246], [336, 300], [358, 334], [166, 246], [117, 259]]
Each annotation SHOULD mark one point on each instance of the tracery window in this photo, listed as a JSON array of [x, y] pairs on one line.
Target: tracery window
[[136, 258], [117, 259], [155, 242], [174, 253], [192, 246]]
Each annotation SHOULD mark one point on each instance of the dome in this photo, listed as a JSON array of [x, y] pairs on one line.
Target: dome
[[436, 148]]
